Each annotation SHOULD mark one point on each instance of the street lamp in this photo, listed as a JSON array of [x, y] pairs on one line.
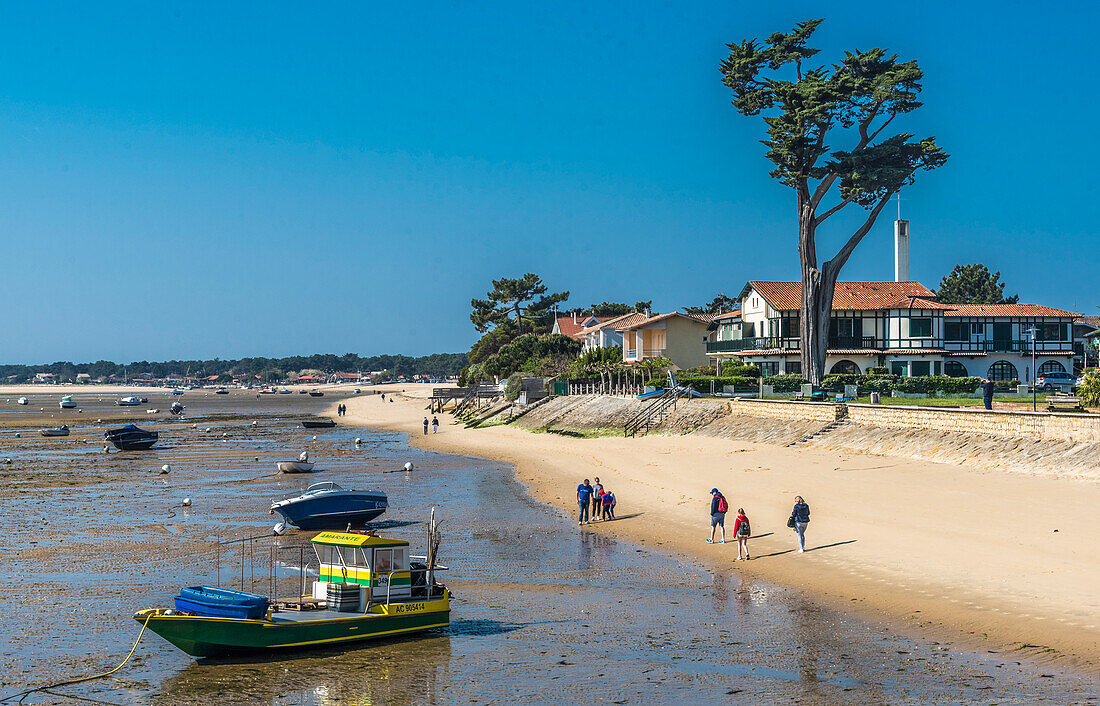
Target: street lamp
[[1034, 372]]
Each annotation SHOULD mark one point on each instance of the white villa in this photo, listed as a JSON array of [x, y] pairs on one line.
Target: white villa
[[899, 326]]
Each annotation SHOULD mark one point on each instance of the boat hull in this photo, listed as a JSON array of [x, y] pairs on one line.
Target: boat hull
[[318, 424], [54, 432], [202, 636], [131, 438], [295, 466], [332, 510]]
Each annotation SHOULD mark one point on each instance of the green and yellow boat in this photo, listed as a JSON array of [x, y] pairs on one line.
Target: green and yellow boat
[[368, 588]]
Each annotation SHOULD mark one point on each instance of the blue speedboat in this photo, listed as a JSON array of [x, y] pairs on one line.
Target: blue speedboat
[[130, 438], [328, 506], [221, 602]]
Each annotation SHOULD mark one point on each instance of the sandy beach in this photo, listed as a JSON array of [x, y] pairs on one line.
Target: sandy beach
[[999, 562]]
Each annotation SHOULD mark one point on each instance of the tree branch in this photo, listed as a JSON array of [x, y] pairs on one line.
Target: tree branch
[[820, 191], [845, 252], [882, 127], [821, 219]]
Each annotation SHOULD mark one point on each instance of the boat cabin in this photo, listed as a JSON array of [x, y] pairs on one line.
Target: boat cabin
[[378, 565]]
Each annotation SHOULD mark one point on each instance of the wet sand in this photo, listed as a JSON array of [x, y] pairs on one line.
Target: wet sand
[[544, 610]]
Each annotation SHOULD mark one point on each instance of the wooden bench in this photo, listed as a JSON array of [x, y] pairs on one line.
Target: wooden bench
[[1064, 403]]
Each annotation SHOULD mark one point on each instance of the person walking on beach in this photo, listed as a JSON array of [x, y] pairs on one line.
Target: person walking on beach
[[718, 509], [607, 501], [425, 425], [584, 496], [383, 396], [742, 531], [435, 424], [597, 493], [987, 393], [800, 517]]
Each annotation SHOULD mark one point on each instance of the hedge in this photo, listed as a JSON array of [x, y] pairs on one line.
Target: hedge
[[925, 384], [785, 383]]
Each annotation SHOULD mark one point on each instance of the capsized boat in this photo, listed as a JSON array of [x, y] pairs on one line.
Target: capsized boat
[[67, 402], [130, 401], [221, 602], [329, 506], [368, 588], [130, 438], [62, 430]]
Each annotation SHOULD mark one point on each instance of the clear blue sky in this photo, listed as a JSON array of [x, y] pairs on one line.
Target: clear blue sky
[[182, 180]]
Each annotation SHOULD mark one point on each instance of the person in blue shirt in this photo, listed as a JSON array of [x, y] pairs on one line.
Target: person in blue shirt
[[801, 517], [584, 496]]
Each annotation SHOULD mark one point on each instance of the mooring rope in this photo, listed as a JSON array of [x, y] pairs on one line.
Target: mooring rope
[[24, 694]]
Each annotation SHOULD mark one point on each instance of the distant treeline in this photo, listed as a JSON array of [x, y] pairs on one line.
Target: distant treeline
[[436, 365]]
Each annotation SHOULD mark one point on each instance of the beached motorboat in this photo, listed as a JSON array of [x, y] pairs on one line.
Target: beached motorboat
[[221, 391], [221, 602], [67, 402], [368, 588], [318, 423], [130, 401], [130, 438], [316, 393], [285, 391], [303, 392], [23, 400], [329, 506], [176, 408], [178, 391], [62, 430], [300, 466]]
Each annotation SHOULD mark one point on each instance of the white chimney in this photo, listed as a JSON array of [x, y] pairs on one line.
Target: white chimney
[[901, 251]]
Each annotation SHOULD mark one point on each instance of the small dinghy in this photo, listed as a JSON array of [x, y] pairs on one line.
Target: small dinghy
[[130, 401], [176, 408], [302, 465], [23, 400], [62, 430], [316, 393], [67, 402], [221, 391], [221, 603], [328, 506], [130, 438], [318, 423]]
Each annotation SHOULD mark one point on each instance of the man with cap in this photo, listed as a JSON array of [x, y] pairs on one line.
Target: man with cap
[[718, 509]]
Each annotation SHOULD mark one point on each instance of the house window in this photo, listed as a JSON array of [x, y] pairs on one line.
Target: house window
[[748, 329], [920, 368], [767, 369], [954, 369], [900, 368], [956, 331], [1050, 332], [978, 329], [793, 367], [920, 328], [844, 367], [789, 328], [1003, 370], [1051, 366]]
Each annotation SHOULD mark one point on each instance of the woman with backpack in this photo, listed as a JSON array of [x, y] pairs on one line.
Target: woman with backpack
[[800, 517], [718, 509], [742, 532]]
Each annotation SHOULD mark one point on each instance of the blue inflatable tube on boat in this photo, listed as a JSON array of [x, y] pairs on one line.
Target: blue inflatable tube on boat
[[221, 602]]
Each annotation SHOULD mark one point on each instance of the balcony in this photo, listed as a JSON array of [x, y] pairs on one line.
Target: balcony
[[645, 353], [1007, 346]]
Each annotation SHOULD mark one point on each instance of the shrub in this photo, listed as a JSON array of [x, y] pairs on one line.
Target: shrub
[[1090, 388], [785, 383], [513, 387], [878, 371], [735, 368], [837, 381]]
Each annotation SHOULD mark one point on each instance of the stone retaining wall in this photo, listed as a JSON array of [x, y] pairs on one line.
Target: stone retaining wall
[[783, 409]]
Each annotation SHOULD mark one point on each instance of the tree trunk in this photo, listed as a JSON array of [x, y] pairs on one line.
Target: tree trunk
[[519, 321], [817, 298]]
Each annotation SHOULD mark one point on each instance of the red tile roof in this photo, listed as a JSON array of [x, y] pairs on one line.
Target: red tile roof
[[617, 321], [572, 327], [1006, 310], [787, 296], [698, 318]]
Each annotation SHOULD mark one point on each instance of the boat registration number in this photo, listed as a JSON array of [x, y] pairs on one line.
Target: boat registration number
[[409, 607]]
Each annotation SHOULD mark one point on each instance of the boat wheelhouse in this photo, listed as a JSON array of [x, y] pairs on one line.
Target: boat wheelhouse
[[368, 587]]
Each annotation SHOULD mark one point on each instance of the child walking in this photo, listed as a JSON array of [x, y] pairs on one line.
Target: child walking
[[742, 531]]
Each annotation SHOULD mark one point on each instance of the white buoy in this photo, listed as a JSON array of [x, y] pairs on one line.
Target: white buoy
[[207, 430], [408, 465], [187, 502], [253, 423], [225, 434], [304, 456], [194, 426], [358, 441], [166, 468], [279, 529], [106, 449], [18, 435], [315, 438]]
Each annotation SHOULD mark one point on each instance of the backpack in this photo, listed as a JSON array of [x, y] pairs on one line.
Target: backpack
[[743, 530], [723, 506]]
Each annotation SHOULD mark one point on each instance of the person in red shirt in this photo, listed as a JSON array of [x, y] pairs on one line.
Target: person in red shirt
[[742, 532]]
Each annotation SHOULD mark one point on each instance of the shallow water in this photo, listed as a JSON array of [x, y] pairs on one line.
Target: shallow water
[[543, 610]]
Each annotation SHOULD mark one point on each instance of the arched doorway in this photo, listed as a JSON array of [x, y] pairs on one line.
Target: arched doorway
[[954, 369], [1003, 370], [1051, 366], [844, 367]]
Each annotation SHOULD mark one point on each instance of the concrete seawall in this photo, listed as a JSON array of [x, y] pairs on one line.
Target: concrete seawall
[[1023, 442]]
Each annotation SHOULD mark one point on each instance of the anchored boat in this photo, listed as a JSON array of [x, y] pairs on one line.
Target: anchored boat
[[327, 506], [130, 438], [67, 402], [369, 588], [130, 401], [62, 430], [318, 423]]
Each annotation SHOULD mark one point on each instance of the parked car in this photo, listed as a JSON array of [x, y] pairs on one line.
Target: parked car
[[1056, 380]]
